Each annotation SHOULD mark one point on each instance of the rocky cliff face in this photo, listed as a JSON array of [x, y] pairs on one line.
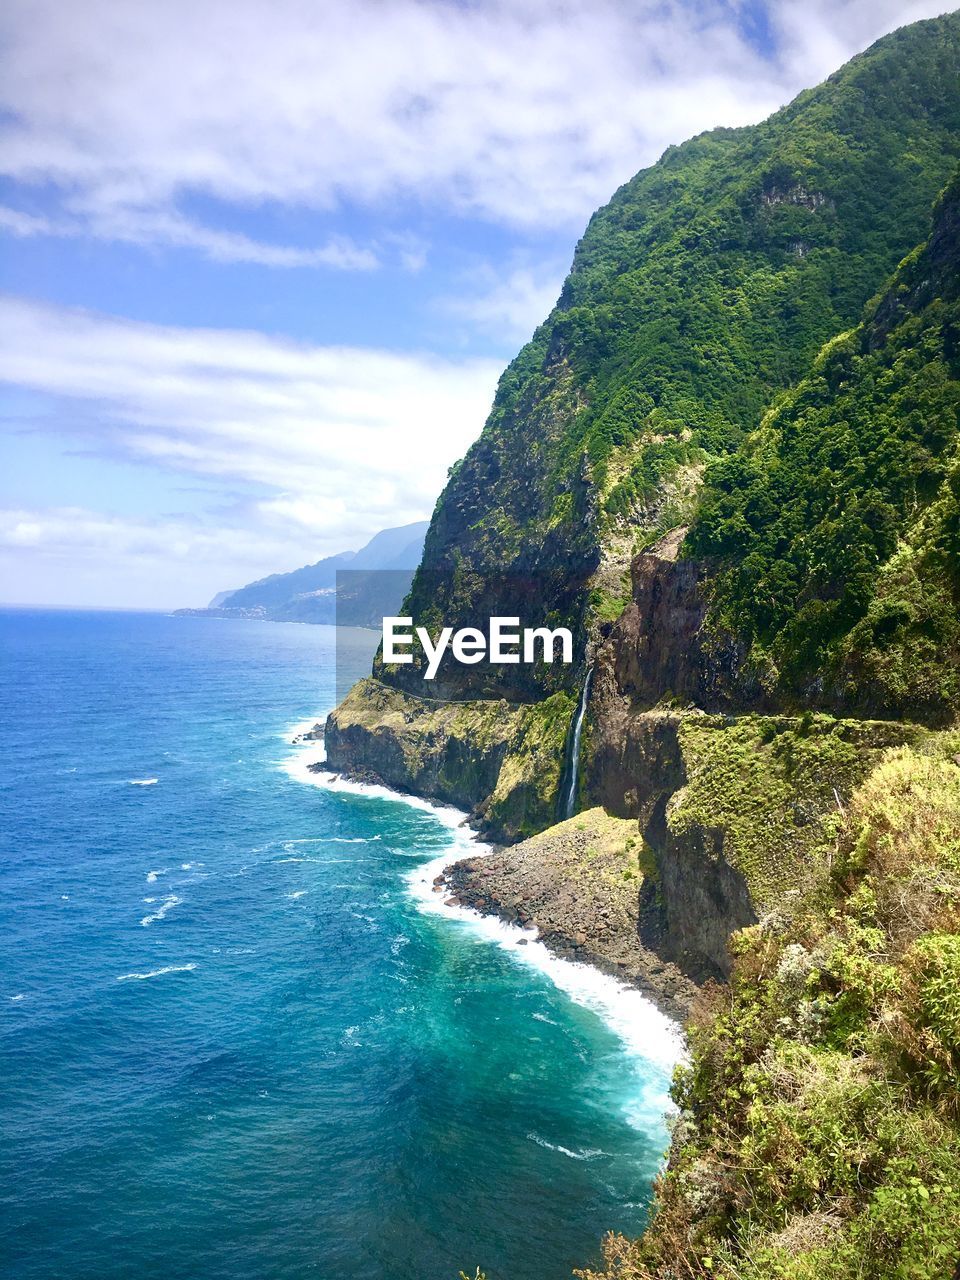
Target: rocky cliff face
[[704, 288], [731, 798], [501, 761], [660, 651], [729, 806], [694, 897]]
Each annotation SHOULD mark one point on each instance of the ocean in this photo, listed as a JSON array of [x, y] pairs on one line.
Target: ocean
[[240, 1035]]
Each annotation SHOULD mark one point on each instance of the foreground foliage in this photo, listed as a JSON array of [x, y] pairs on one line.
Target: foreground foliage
[[819, 1126]]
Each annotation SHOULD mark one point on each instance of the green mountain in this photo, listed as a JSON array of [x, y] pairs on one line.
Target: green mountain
[[703, 289], [836, 525], [701, 295]]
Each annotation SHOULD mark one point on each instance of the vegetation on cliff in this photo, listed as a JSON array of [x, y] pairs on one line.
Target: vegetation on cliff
[[819, 1128], [703, 289], [508, 756], [769, 788], [837, 523]]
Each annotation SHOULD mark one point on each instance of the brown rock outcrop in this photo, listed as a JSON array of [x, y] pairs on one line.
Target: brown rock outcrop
[[580, 884]]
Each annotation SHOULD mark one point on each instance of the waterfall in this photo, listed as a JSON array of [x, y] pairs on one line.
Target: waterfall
[[570, 799]]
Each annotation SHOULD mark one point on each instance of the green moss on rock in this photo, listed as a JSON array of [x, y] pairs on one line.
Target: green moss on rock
[[500, 760], [773, 789]]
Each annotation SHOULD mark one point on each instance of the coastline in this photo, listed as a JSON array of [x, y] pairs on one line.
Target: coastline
[[650, 1031], [579, 885]]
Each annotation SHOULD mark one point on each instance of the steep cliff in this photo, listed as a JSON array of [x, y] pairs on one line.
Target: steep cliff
[[705, 287], [701, 293], [499, 759], [818, 1131]]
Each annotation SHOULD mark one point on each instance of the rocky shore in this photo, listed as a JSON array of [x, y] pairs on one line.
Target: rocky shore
[[580, 884]]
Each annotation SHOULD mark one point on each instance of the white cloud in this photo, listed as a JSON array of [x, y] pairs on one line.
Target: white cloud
[[508, 304], [339, 441], [146, 227], [819, 37], [75, 556], [25, 224], [138, 226], [526, 111], [82, 533]]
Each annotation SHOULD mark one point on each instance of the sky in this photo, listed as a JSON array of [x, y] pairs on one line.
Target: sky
[[263, 261]]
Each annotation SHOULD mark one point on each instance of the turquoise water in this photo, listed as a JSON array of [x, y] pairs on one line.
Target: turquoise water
[[238, 1035]]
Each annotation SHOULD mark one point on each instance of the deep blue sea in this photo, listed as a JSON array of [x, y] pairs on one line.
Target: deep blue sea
[[240, 1038]]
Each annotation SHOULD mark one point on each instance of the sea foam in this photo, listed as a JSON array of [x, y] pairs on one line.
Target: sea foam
[[170, 901], [156, 973], [652, 1039], [590, 1154]]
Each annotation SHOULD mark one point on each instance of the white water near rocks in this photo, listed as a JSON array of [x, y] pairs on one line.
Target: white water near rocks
[[653, 1042]]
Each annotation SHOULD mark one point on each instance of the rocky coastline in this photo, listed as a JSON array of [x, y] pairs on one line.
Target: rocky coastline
[[581, 885], [587, 886]]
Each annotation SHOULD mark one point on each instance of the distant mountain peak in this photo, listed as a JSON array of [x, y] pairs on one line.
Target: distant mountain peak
[[309, 594]]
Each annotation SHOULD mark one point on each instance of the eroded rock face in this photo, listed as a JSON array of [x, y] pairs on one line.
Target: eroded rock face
[[634, 757], [659, 650], [378, 734], [498, 760], [733, 803], [655, 644], [694, 899], [701, 899]]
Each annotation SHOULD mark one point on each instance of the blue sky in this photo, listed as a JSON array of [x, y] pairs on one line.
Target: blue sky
[[262, 263]]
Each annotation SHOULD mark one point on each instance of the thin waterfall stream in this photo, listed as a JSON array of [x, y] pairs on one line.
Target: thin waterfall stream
[[570, 799]]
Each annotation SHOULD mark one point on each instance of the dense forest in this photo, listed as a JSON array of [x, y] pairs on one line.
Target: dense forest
[[837, 523], [704, 289]]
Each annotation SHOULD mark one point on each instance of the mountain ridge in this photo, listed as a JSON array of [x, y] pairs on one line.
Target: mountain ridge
[[703, 289], [372, 582], [692, 265]]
